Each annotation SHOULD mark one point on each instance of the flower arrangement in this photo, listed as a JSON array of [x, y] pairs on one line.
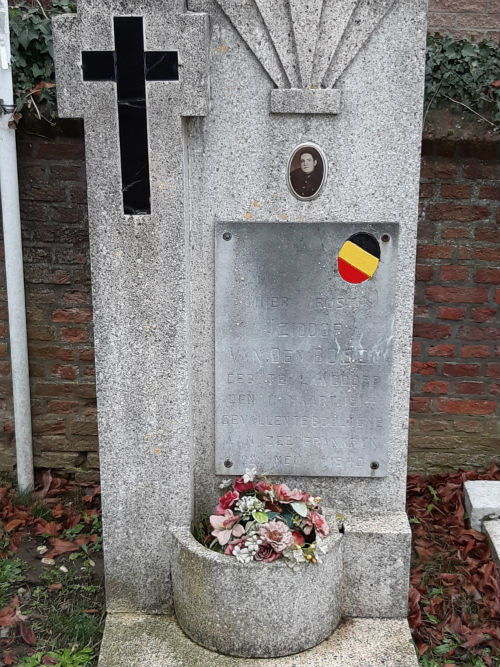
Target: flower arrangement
[[259, 521]]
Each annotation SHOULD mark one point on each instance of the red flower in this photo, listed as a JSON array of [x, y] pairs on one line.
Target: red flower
[[242, 486], [266, 554], [299, 539], [262, 487], [284, 495], [226, 502]]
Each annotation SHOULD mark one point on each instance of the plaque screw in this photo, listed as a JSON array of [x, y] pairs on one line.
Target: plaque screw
[[374, 465], [227, 462], [226, 236], [386, 238]]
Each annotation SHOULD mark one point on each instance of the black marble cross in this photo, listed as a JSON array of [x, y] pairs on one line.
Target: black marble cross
[[130, 67]]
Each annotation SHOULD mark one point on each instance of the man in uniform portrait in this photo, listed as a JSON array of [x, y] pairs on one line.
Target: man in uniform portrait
[[307, 178]]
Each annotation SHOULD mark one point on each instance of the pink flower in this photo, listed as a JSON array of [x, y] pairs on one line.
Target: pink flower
[[226, 502], [277, 534], [318, 522], [224, 526], [262, 487], [235, 543], [242, 486], [284, 495], [299, 539], [266, 553]]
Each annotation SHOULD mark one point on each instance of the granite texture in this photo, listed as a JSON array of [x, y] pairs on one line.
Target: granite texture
[[482, 497], [305, 101], [492, 530], [157, 641], [238, 158], [140, 295], [306, 17], [255, 609], [376, 565], [278, 21], [334, 20]]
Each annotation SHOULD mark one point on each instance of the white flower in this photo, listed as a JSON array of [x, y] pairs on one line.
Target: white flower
[[225, 484], [248, 504], [249, 474], [294, 557], [242, 555]]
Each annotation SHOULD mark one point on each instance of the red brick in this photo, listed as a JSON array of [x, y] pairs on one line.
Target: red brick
[[478, 333], [479, 6], [4, 367], [74, 334], [467, 426], [65, 214], [493, 370], [426, 190], [420, 311], [65, 372], [476, 170], [435, 387], [89, 370], [3, 349], [453, 272], [41, 192], [490, 192], [482, 314], [431, 330], [76, 297], [424, 272], [488, 234], [416, 347], [78, 195], [62, 407], [434, 251], [478, 20], [485, 254], [457, 212], [469, 387], [455, 191], [60, 151], [63, 172], [39, 332], [432, 425], [475, 351], [442, 350], [424, 367], [442, 169], [442, 294], [43, 352], [37, 370], [457, 406], [455, 233], [494, 389], [72, 315], [420, 404], [487, 275], [450, 313], [460, 370], [86, 354]]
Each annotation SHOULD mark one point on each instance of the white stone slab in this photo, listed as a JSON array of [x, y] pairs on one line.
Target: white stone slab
[[133, 640], [492, 530], [482, 497]]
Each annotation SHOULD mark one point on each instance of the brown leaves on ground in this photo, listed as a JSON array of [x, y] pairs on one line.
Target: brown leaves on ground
[[454, 603]]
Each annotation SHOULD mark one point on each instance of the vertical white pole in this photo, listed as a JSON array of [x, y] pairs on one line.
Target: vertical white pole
[[14, 266]]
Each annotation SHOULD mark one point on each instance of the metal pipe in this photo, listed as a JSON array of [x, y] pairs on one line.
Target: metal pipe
[[9, 192]]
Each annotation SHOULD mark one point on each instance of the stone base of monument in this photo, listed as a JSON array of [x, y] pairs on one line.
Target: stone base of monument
[[255, 609], [365, 580], [140, 640]]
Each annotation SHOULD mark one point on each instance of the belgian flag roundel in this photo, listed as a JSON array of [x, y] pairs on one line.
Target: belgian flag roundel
[[358, 258]]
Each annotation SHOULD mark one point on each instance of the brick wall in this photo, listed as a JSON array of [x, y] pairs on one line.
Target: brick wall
[[59, 310], [455, 386], [478, 19], [455, 381]]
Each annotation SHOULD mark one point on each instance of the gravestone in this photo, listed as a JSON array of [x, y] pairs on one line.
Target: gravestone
[[252, 174]]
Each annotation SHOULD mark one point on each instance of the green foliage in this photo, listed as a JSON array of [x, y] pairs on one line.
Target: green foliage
[[32, 53], [11, 571], [65, 658], [460, 72]]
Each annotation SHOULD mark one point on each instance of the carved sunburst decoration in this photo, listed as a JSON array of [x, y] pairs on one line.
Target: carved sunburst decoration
[[305, 45]]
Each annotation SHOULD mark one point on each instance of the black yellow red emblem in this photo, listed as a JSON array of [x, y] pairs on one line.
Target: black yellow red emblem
[[358, 258]]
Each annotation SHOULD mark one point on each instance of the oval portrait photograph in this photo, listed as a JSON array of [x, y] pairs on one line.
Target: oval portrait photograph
[[307, 170]]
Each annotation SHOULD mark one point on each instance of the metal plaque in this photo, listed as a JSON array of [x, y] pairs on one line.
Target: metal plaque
[[303, 357]]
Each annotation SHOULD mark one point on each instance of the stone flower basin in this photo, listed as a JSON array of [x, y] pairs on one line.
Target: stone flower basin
[[256, 609]]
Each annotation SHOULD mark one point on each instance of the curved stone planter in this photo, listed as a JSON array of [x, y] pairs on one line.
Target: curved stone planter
[[256, 609]]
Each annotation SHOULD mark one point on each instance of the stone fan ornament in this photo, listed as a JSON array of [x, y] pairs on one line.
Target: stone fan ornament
[[305, 45]]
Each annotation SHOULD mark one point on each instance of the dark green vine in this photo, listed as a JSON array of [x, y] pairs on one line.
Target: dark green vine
[[463, 76], [33, 56]]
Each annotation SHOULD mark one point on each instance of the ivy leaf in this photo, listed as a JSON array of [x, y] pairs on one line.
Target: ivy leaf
[[300, 508]]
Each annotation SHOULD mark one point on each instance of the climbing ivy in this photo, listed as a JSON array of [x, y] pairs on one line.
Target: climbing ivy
[[32, 54], [463, 75]]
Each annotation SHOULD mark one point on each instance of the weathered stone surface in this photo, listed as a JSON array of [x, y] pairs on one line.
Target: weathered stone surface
[[157, 641], [232, 607], [376, 565], [482, 497], [492, 530], [305, 101]]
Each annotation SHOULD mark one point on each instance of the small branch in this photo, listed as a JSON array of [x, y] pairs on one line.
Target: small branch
[[43, 10], [40, 115], [432, 100], [471, 110]]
